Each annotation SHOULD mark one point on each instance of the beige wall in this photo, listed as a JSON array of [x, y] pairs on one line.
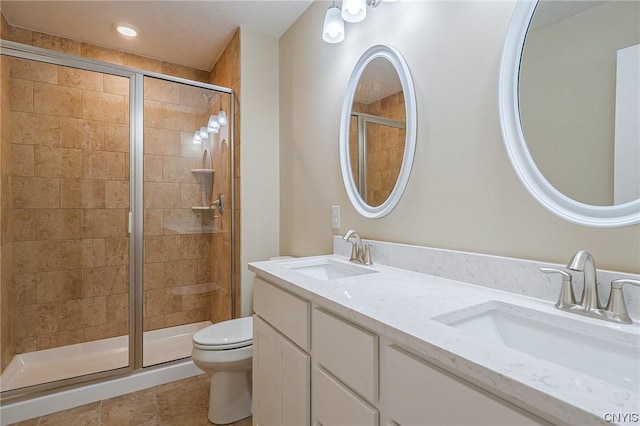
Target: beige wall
[[259, 163], [463, 193]]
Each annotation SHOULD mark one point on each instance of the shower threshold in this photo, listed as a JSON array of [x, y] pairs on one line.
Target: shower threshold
[[48, 365]]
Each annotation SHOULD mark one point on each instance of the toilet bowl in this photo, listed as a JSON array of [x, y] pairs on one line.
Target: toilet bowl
[[224, 351]]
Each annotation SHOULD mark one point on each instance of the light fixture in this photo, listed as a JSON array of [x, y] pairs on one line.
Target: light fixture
[[204, 133], [197, 139], [333, 28], [222, 118], [127, 30], [213, 126], [354, 10]]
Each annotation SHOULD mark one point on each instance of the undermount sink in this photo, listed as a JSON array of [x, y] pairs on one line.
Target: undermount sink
[[328, 269], [602, 352]]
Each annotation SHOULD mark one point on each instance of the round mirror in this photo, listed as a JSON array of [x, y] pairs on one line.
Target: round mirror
[[569, 106], [378, 131]]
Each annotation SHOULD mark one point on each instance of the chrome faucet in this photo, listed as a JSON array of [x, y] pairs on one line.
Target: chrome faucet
[[583, 261], [589, 305], [359, 253]]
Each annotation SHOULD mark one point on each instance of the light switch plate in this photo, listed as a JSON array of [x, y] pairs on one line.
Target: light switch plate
[[335, 217]]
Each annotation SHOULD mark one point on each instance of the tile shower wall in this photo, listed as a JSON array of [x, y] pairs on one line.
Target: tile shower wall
[[6, 241], [69, 201], [177, 241], [226, 72]]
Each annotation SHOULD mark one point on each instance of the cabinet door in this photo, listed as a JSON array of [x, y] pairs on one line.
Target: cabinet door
[[419, 393], [281, 378], [265, 407], [335, 405]]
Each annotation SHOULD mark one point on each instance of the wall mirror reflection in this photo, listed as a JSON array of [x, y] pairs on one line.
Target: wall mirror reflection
[[377, 132], [378, 128], [580, 96], [569, 107]]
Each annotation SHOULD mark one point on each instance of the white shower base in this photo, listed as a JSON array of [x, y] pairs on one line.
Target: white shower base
[[48, 365]]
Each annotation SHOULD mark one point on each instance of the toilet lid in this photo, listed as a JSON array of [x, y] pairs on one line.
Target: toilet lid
[[226, 334]]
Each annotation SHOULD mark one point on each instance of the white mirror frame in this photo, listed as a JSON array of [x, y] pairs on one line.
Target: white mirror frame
[[515, 143], [393, 56]]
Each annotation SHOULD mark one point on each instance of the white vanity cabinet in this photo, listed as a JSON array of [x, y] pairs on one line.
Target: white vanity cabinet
[[311, 366]]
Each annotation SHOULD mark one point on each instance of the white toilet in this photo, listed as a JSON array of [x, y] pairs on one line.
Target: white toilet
[[224, 351]]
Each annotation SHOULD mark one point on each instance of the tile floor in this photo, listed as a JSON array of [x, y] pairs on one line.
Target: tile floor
[[181, 403]]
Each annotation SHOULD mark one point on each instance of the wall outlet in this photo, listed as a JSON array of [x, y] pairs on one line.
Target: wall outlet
[[335, 217]]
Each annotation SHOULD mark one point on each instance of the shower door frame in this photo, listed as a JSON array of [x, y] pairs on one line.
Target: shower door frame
[[136, 207]]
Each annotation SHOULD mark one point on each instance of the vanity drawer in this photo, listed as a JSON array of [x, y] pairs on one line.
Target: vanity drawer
[[347, 351], [418, 392], [284, 311], [334, 404]]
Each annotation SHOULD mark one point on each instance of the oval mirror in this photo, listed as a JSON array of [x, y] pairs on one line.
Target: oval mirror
[[378, 131], [569, 107]]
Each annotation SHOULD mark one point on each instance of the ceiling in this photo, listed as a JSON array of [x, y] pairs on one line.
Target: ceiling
[[191, 33], [378, 81]]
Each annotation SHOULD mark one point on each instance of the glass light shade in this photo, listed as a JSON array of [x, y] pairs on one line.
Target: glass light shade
[[354, 10], [333, 28], [213, 126], [222, 118], [197, 140], [204, 134]]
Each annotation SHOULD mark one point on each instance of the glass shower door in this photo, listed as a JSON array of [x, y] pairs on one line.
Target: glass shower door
[[64, 214]]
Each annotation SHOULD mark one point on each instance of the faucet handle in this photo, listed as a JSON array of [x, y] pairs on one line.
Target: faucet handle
[[355, 252], [616, 305], [366, 256], [617, 284], [566, 299]]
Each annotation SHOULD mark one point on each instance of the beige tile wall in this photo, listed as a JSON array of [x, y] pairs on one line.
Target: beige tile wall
[[70, 196], [385, 147], [178, 240], [226, 72], [6, 240]]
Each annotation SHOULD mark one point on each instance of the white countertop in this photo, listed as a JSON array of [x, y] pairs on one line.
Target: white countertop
[[401, 305]]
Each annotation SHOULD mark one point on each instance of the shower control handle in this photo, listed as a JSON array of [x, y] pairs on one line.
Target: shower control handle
[[219, 203]]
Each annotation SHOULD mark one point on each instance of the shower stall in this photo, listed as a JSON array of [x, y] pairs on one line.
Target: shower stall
[[117, 224]]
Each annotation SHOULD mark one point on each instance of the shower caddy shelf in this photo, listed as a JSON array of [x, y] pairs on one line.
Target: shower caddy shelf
[[200, 173]]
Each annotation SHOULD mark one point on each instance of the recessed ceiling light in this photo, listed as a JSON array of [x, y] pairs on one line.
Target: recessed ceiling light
[[127, 30]]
